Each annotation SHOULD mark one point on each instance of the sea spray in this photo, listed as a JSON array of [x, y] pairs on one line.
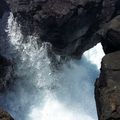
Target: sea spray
[[40, 93]]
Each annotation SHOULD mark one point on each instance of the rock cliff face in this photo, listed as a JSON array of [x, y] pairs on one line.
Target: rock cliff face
[[72, 26], [107, 90], [4, 115], [111, 36]]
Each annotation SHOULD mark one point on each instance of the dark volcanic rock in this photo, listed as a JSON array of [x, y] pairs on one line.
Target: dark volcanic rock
[[111, 37], [6, 71], [70, 25], [107, 90], [4, 115], [3, 7]]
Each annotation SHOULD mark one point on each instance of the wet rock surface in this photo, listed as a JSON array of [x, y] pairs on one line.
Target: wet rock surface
[[4, 115], [107, 91], [70, 25], [6, 71], [111, 36], [3, 7]]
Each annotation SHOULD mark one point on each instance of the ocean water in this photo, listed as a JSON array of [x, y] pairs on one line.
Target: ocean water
[[41, 93]]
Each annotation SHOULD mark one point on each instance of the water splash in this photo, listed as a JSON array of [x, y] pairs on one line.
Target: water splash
[[42, 94]]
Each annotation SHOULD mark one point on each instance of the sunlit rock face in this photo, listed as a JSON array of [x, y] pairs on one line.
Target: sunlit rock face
[[108, 88]]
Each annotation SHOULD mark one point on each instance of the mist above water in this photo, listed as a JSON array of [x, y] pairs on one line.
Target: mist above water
[[41, 93]]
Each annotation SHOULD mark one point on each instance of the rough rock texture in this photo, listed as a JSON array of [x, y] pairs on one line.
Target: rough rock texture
[[111, 36], [63, 23], [70, 25], [6, 71], [4, 115], [107, 90]]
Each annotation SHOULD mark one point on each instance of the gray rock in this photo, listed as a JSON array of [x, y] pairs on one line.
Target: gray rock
[[71, 26], [68, 25], [3, 7], [107, 88]]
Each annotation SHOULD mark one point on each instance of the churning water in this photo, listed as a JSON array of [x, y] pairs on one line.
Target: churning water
[[41, 93]]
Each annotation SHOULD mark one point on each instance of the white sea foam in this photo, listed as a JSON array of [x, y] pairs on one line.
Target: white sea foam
[[42, 94]]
